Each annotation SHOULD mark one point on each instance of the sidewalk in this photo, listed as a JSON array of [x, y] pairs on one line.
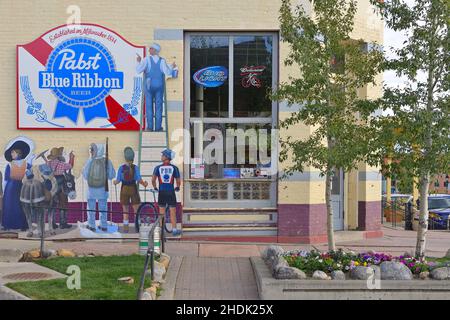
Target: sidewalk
[[395, 242]]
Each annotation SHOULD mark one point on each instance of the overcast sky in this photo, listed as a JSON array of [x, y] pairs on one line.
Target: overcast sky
[[393, 39]]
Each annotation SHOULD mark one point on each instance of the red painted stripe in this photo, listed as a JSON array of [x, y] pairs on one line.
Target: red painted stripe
[[39, 49], [114, 109]]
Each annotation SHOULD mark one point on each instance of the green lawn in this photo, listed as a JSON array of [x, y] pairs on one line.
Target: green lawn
[[98, 279]]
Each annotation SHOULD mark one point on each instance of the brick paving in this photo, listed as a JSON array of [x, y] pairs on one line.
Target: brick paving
[[207, 278]]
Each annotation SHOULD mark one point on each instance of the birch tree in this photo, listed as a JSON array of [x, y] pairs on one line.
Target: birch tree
[[418, 125], [332, 67]]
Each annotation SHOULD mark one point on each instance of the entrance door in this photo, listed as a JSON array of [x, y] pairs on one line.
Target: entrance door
[[337, 199]]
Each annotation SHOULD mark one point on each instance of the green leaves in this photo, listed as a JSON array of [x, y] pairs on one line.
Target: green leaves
[[333, 67]]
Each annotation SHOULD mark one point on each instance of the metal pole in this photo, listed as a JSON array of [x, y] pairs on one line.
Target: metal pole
[[42, 223]]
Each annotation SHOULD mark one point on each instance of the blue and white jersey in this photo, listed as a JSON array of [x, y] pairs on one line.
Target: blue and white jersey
[[166, 176]]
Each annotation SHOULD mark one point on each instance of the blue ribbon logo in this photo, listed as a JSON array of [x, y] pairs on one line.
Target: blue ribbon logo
[[81, 73]]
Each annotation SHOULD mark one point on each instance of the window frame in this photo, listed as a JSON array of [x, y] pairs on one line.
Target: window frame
[[273, 120]]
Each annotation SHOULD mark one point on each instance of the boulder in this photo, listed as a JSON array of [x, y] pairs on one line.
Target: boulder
[[362, 273], [447, 255], [127, 280], [278, 262], [391, 270], [337, 275], [442, 273], [271, 252], [10, 255], [152, 291], [320, 275], [284, 272], [31, 255], [377, 271], [164, 261], [424, 275], [146, 296], [66, 253], [159, 271]]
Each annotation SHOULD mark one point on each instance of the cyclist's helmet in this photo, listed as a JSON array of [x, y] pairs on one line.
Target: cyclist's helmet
[[169, 154]]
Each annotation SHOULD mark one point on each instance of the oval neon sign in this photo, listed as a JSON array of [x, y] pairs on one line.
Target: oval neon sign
[[211, 77]]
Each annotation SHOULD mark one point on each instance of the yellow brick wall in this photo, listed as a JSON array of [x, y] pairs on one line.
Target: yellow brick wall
[[23, 21]]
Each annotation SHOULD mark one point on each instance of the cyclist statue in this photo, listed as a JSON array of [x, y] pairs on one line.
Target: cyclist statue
[[167, 174], [130, 176]]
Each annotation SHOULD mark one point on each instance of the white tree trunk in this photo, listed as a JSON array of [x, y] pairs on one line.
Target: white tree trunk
[[330, 227], [423, 217]]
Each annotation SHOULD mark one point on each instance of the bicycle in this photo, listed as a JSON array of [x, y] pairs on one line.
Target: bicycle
[[148, 213]]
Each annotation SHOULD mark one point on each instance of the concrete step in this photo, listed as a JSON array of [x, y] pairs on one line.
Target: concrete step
[[229, 231], [151, 154], [229, 218]]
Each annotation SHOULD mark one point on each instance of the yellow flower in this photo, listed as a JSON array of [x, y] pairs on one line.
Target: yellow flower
[[365, 264], [356, 263]]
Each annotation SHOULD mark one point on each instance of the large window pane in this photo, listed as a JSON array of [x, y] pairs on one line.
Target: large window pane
[[225, 148], [252, 76], [208, 51]]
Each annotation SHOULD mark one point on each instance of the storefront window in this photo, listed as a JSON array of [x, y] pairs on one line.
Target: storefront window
[[208, 99], [226, 148], [230, 119], [252, 76]]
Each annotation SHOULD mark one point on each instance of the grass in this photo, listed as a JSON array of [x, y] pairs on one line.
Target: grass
[[98, 279]]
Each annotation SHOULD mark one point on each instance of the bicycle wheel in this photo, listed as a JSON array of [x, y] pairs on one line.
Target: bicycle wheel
[[145, 215]]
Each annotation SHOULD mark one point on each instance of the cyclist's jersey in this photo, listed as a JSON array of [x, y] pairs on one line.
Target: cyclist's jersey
[[166, 176]]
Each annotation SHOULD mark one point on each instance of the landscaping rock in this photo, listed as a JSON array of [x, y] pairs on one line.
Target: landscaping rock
[[284, 272], [127, 280], [146, 296], [391, 270], [159, 271], [152, 291], [320, 275], [362, 273], [377, 271], [31, 255], [337, 275], [164, 260], [278, 262], [270, 252], [66, 253], [447, 255], [10, 255], [442, 273], [424, 275]]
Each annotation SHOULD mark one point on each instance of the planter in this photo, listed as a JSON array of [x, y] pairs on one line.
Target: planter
[[273, 289]]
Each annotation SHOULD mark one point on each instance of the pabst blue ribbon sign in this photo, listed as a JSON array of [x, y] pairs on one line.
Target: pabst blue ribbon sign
[[79, 77]]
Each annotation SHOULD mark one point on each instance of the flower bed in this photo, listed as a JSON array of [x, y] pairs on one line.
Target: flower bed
[[310, 261]]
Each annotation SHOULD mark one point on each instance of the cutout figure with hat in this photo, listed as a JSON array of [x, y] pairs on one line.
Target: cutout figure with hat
[[16, 153], [130, 177], [155, 71]]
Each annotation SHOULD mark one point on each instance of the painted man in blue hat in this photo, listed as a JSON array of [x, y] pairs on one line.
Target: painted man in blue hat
[[167, 174], [155, 71]]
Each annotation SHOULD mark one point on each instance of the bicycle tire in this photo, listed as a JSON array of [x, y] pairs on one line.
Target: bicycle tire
[[147, 211]]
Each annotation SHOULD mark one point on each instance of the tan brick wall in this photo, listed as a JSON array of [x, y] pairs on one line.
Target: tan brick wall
[[23, 21]]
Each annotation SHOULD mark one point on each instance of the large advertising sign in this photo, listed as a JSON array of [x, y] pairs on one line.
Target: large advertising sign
[[79, 77]]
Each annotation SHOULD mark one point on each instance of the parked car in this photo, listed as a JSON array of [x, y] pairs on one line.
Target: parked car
[[439, 212]]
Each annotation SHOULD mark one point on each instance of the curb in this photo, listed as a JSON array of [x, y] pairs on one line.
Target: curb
[[9, 294], [168, 286]]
